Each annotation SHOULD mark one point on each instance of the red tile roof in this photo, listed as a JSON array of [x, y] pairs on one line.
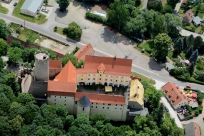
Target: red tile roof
[[67, 74], [64, 82], [83, 51], [55, 64], [184, 2], [173, 93], [101, 98], [101, 67], [197, 129], [114, 66]]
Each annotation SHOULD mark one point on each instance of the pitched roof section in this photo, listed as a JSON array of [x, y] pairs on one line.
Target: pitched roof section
[[192, 129], [55, 64], [173, 93], [84, 101], [101, 67], [189, 16], [136, 92], [83, 51], [67, 74], [117, 66], [101, 98], [32, 5]]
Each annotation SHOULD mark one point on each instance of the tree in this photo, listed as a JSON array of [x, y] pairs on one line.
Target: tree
[[17, 44], [1, 63], [172, 2], [5, 129], [173, 23], [4, 31], [56, 123], [158, 114], [73, 59], [63, 4], [167, 9], [159, 25], [179, 45], [16, 123], [194, 56], [190, 41], [61, 110], [117, 15], [3, 47], [198, 43], [189, 52], [191, 68], [74, 31], [68, 121], [25, 98], [161, 44], [155, 5], [137, 3], [99, 117], [14, 55]]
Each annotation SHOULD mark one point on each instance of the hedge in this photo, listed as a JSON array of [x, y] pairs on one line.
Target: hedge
[[190, 80], [95, 17]]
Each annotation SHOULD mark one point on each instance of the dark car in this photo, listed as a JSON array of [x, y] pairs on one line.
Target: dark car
[[15, 3], [167, 109], [180, 110]]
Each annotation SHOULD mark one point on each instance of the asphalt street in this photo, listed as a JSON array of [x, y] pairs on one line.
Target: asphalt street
[[43, 30]]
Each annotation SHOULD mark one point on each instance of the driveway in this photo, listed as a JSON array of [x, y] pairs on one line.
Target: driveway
[[184, 32], [172, 112], [9, 6]]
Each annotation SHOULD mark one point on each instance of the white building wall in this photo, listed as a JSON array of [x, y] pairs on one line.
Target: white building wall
[[115, 112], [67, 101], [27, 12], [82, 109]]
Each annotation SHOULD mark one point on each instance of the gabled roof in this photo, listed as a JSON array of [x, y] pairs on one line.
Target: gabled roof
[[192, 129], [32, 5], [136, 92], [55, 64], [67, 74], [189, 15], [173, 93], [101, 67], [101, 98], [114, 66], [84, 101], [197, 20], [83, 51]]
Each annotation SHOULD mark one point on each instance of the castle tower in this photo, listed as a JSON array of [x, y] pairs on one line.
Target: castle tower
[[41, 69]]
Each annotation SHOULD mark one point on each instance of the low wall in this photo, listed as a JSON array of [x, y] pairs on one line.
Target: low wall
[[30, 45]]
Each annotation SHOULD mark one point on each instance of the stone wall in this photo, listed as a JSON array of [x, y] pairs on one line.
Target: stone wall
[[38, 89]]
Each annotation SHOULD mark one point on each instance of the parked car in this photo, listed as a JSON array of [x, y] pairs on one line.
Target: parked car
[[15, 3], [178, 111], [167, 109], [188, 86]]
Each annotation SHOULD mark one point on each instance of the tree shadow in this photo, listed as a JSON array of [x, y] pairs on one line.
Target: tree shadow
[[154, 65], [115, 37], [61, 14]]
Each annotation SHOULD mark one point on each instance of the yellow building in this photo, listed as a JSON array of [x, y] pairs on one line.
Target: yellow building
[[105, 71]]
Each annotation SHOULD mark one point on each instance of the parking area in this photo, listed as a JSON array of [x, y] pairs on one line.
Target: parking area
[[46, 10], [10, 6]]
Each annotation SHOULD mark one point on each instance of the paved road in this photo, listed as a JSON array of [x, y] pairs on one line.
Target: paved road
[[154, 70], [172, 112]]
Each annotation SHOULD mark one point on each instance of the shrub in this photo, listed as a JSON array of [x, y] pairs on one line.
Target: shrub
[[65, 30], [74, 31], [95, 17], [55, 28], [18, 31], [190, 28]]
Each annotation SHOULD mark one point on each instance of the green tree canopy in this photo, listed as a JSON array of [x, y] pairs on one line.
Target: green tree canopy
[[3, 47], [63, 4], [161, 44], [117, 15], [14, 55], [193, 58], [4, 31], [198, 43], [17, 44], [74, 31]]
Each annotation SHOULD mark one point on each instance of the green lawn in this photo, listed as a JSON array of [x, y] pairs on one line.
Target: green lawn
[[26, 34], [147, 45], [199, 30], [40, 19], [200, 15], [140, 6], [181, 11], [3, 9], [151, 81], [59, 31]]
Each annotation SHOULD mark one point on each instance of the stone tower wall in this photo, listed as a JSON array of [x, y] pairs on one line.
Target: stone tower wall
[[41, 69]]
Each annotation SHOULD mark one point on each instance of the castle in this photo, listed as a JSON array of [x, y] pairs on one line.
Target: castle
[[120, 97]]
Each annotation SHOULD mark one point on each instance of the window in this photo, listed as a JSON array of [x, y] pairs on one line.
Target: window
[[107, 107], [100, 79], [106, 79], [64, 100], [116, 105], [111, 79], [60, 96], [116, 80], [103, 103], [64, 104], [116, 108], [48, 95], [82, 79], [109, 104], [96, 106], [64, 97], [96, 103], [121, 81], [55, 103], [88, 78], [76, 102], [120, 108], [83, 108], [55, 96], [93, 78], [103, 107], [55, 99], [100, 74], [91, 106]]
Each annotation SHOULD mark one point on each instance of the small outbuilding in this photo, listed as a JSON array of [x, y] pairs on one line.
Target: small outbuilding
[[197, 20], [169, 66], [31, 7]]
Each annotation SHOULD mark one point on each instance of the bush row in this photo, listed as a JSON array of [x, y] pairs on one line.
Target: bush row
[[95, 17], [190, 80]]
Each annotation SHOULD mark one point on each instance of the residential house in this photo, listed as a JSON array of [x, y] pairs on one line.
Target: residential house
[[174, 95], [197, 20], [188, 17], [8, 1], [31, 7], [192, 129], [83, 51]]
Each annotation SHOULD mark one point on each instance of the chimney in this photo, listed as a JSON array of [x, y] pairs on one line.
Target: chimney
[[138, 86], [114, 57]]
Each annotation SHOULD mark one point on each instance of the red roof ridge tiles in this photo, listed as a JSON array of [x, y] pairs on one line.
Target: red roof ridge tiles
[[101, 67], [83, 51], [101, 98], [173, 92]]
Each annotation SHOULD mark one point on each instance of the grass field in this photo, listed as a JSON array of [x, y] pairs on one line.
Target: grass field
[[151, 81], [40, 19], [59, 31], [147, 45], [3, 9]]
